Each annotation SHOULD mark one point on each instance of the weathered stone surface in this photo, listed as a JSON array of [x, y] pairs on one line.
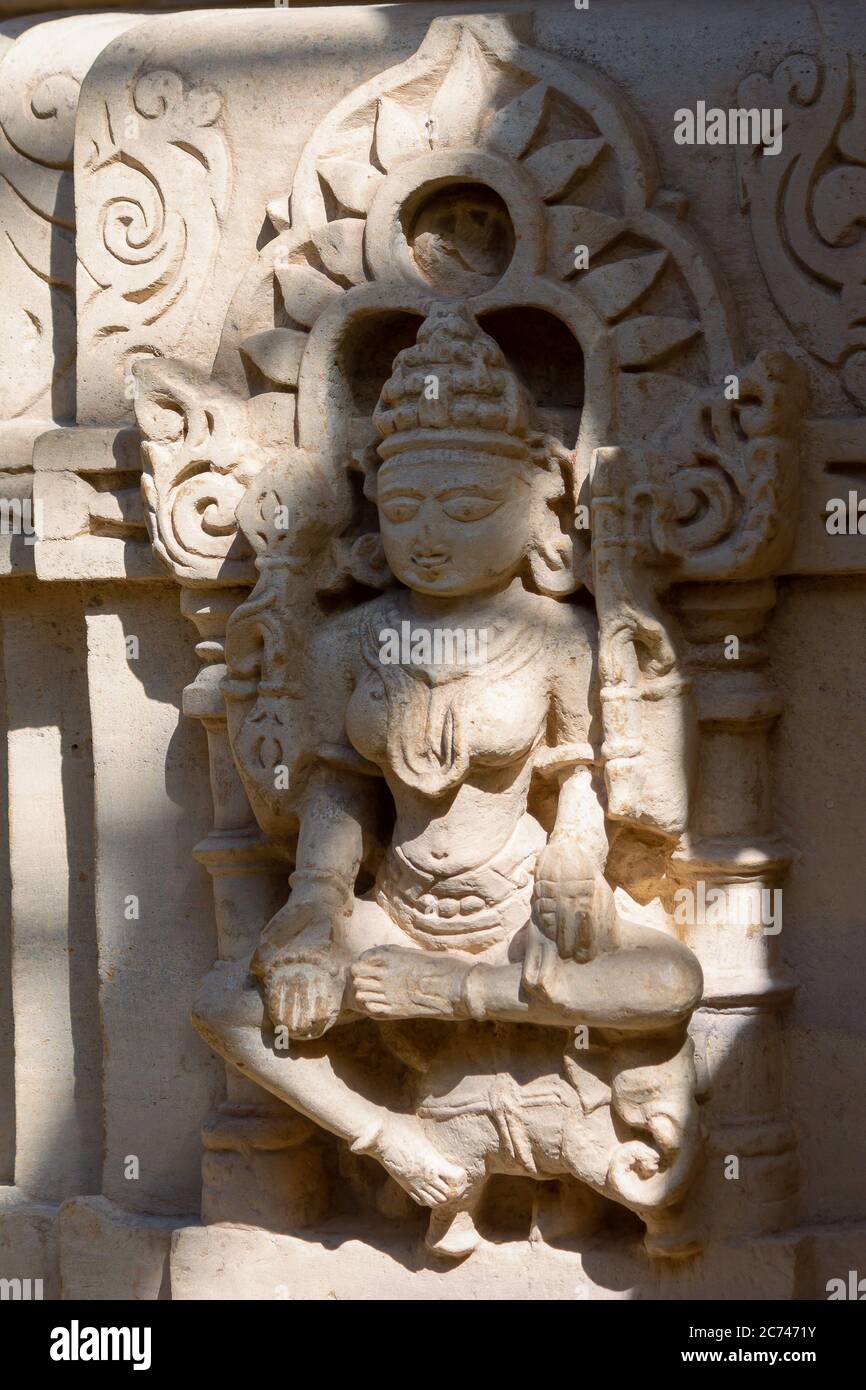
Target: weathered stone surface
[[227, 1263], [57, 1071], [109, 1253], [149, 800], [28, 1246], [499, 430]]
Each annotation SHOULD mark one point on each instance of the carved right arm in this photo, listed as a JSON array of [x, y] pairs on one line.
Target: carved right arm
[[337, 814], [336, 820]]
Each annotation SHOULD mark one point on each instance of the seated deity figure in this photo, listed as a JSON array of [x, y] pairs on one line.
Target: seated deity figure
[[541, 1025]]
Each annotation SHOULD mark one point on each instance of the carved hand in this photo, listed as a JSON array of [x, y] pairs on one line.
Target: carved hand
[[395, 982], [573, 902], [304, 998], [301, 973]]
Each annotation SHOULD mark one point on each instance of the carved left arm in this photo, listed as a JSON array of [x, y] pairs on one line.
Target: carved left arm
[[570, 889], [649, 984]]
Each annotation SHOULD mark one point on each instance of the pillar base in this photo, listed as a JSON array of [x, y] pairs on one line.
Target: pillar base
[[107, 1252]]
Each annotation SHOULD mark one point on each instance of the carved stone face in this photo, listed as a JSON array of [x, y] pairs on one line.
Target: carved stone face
[[455, 525]]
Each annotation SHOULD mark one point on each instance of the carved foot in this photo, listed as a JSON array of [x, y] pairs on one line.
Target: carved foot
[[396, 982], [451, 1235], [401, 1146]]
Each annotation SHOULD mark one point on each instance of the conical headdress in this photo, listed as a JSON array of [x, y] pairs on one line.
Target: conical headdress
[[452, 388]]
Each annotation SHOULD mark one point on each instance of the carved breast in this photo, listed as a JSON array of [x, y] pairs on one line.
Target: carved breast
[[429, 727]]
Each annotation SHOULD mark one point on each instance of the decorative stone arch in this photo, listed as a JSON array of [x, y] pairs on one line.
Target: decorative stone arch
[[570, 165]]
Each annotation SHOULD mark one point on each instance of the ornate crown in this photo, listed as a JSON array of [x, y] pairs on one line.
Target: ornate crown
[[454, 387]]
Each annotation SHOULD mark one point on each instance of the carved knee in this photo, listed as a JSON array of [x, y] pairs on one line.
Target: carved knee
[[226, 1001]]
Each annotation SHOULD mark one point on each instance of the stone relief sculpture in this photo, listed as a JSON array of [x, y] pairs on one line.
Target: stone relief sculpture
[[477, 915], [38, 101], [457, 436], [140, 277]]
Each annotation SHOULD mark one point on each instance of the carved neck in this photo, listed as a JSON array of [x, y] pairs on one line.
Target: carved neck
[[511, 597]]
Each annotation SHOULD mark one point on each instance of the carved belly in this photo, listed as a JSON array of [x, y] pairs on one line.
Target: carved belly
[[470, 911]]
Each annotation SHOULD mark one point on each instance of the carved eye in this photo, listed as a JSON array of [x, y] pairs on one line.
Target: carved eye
[[469, 508], [399, 509]]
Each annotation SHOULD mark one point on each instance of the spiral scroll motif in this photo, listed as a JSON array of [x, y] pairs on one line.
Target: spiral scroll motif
[[199, 460], [158, 184], [808, 207]]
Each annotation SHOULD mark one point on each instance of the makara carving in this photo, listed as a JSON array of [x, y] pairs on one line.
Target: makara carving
[[464, 468]]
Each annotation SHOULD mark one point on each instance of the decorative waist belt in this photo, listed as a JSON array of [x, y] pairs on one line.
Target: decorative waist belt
[[469, 911]]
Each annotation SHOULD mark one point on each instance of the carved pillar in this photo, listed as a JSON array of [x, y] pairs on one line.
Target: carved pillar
[[199, 458], [241, 865], [733, 850], [250, 1170], [250, 1129]]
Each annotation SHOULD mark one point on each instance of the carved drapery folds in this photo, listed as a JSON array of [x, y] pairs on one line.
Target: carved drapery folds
[[486, 190]]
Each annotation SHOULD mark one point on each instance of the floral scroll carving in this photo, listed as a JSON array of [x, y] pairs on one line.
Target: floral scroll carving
[[199, 460], [39, 91], [159, 176], [543, 160], [808, 205]]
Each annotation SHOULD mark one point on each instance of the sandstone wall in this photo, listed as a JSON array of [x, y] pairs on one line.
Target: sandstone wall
[[154, 167]]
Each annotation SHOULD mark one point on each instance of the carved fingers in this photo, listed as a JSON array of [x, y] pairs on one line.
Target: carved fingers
[[303, 998], [539, 961], [567, 900], [573, 902]]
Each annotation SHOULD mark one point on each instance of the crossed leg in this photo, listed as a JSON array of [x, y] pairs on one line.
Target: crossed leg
[[229, 1014]]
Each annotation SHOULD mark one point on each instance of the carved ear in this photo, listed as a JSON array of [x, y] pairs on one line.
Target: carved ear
[[199, 457], [556, 563], [361, 559]]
